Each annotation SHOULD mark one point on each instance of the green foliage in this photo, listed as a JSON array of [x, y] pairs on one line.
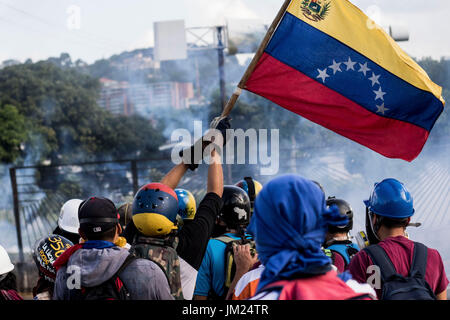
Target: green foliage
[[64, 122], [12, 133]]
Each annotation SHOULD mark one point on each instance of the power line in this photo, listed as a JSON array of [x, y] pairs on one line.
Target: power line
[[28, 29], [53, 25]]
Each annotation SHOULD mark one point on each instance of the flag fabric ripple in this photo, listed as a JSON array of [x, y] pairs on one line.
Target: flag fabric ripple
[[328, 62]]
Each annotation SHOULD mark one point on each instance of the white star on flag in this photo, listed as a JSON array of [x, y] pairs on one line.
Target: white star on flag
[[382, 109], [350, 64], [336, 67], [374, 79], [380, 94], [364, 68], [323, 74]]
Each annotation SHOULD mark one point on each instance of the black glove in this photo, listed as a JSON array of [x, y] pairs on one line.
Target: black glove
[[222, 126], [191, 165]]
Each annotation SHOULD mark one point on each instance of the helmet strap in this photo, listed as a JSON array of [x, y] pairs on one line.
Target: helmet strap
[[251, 188], [372, 229], [241, 233]]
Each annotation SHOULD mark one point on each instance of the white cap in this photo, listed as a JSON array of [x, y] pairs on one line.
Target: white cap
[[68, 217], [5, 262]]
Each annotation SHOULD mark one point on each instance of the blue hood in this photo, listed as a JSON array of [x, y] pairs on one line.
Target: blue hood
[[289, 224]]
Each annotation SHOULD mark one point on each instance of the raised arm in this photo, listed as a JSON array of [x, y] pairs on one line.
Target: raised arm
[[172, 179], [215, 174]]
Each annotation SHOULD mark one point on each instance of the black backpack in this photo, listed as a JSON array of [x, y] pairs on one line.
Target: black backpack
[[112, 289], [398, 287]]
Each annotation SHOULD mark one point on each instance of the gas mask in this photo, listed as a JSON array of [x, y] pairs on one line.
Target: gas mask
[[369, 237]]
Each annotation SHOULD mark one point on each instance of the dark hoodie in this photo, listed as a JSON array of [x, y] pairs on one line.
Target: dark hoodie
[[143, 278]]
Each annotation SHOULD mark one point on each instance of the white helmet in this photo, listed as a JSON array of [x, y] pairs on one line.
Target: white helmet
[[68, 217], [5, 262]]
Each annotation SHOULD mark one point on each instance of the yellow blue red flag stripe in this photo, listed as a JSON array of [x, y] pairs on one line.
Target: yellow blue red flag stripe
[[321, 64]]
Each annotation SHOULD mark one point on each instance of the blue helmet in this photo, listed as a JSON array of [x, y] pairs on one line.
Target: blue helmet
[[391, 199], [186, 204], [154, 210]]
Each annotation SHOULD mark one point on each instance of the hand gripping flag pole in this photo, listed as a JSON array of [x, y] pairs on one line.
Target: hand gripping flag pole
[[241, 85]]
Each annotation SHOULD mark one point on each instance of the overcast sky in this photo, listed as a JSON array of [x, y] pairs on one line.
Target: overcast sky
[[38, 29]]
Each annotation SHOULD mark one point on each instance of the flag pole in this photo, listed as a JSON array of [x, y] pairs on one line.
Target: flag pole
[[232, 101]]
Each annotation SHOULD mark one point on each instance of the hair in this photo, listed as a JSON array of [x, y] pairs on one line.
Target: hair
[[334, 229], [106, 235], [9, 282], [391, 223]]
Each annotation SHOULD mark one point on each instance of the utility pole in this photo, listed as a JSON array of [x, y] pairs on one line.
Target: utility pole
[[222, 84], [220, 51], [213, 38]]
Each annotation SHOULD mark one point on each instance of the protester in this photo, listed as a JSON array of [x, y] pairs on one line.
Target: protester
[[97, 269], [338, 239], [8, 284], [213, 278], [388, 213], [289, 228], [156, 235], [68, 221], [248, 273], [252, 187], [46, 251]]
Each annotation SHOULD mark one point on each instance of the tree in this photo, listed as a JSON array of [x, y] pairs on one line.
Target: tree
[[64, 122], [12, 133]]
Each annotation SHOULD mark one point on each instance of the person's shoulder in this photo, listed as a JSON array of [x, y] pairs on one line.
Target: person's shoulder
[[337, 255], [214, 243], [211, 198], [396, 241], [359, 259], [222, 240], [361, 254], [142, 266], [338, 261], [434, 254]]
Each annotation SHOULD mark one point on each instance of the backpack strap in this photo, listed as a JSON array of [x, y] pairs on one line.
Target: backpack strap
[[340, 249], [226, 239], [129, 259], [251, 188], [419, 262], [381, 259]]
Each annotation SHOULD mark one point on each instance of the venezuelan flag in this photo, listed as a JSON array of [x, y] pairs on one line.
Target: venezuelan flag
[[328, 62]]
